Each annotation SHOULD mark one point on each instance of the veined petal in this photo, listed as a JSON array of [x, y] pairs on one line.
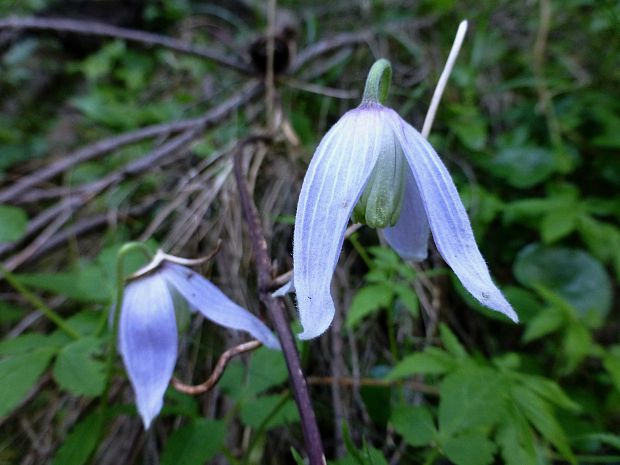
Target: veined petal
[[205, 297], [148, 341], [409, 236], [448, 219], [332, 186]]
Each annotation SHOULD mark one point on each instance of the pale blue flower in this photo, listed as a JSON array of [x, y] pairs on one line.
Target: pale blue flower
[[407, 191], [148, 329]]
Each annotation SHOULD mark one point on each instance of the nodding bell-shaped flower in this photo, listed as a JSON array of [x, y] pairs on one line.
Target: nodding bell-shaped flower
[[148, 329], [374, 165]]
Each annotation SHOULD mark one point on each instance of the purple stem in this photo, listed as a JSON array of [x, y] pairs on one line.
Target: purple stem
[[312, 437]]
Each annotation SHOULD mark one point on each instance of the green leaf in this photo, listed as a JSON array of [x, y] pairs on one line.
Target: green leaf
[[516, 441], [471, 397], [368, 300], [81, 441], [471, 449], [611, 362], [195, 443], [77, 371], [576, 346], [547, 321], [18, 374], [13, 223], [549, 390], [270, 411], [431, 361], [573, 274], [539, 413], [451, 342], [29, 342], [408, 297], [523, 167], [87, 284], [558, 224], [415, 424]]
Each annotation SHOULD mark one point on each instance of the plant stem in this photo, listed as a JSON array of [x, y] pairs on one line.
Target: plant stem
[[39, 304], [314, 445]]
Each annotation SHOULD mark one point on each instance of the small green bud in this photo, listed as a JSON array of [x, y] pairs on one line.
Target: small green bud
[[380, 203]]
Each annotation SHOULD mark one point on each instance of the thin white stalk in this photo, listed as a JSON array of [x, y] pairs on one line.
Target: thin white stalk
[[443, 79]]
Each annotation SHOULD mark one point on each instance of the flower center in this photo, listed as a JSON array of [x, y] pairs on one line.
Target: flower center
[[380, 203]]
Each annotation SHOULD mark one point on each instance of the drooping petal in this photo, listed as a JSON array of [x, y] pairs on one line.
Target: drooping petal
[[448, 219], [333, 183], [148, 341], [205, 297], [409, 236]]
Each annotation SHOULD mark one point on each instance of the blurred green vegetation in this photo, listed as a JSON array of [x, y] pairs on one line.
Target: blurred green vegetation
[[530, 130]]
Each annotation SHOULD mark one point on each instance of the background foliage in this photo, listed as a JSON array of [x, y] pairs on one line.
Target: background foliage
[[413, 370]]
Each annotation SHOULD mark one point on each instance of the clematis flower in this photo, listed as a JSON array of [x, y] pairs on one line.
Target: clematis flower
[[374, 165], [148, 329]]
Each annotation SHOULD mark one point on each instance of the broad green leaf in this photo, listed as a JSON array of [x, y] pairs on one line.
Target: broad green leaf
[[76, 369], [523, 167], [269, 411], [13, 222], [18, 374], [573, 274], [451, 342], [471, 398], [415, 424], [195, 443], [471, 449], [431, 361], [540, 414], [81, 441], [368, 300]]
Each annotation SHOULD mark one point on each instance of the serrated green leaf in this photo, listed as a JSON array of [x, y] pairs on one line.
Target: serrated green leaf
[[76, 369], [471, 449], [28, 342], [88, 284], [471, 398], [576, 345], [13, 223], [549, 390], [547, 321], [415, 424], [81, 441], [540, 415], [408, 297], [368, 300], [18, 374], [431, 361], [558, 224], [451, 342], [510, 439], [194, 444]]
